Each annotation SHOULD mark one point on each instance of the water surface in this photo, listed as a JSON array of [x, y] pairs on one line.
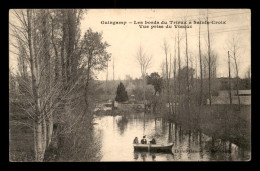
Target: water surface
[[116, 134]]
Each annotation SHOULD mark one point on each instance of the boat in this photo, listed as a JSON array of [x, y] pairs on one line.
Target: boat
[[153, 147]]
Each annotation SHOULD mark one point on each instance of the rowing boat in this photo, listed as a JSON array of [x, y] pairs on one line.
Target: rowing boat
[[153, 147]]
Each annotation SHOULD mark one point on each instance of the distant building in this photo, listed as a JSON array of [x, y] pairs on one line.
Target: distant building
[[132, 99], [223, 97]]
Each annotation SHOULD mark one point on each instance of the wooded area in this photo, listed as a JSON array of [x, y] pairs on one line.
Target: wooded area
[[56, 68]]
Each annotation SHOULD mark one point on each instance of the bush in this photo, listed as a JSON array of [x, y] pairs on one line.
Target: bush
[[121, 93]]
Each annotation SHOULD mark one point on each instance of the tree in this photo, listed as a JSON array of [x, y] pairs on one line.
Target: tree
[[166, 49], [182, 77], [201, 76], [155, 80], [213, 68], [234, 47], [144, 62], [229, 81], [121, 93], [209, 63], [248, 76], [95, 56], [174, 80], [32, 35], [187, 72], [48, 41], [179, 69]]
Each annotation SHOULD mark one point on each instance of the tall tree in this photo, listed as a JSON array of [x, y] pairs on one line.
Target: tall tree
[[229, 80], [182, 77], [95, 56], [36, 30], [234, 47], [201, 76], [179, 69], [166, 49], [187, 62], [209, 61], [144, 62], [174, 79], [235, 51]]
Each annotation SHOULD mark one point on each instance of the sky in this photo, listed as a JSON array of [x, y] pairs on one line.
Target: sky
[[125, 39]]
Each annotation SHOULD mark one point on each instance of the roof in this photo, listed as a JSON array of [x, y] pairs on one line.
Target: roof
[[235, 91]]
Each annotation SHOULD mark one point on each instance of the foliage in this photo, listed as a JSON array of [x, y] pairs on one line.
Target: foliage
[[94, 49], [155, 80], [121, 93], [182, 76], [51, 84]]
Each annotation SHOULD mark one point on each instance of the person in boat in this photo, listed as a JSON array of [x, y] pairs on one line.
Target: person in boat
[[153, 141], [136, 140], [144, 141]]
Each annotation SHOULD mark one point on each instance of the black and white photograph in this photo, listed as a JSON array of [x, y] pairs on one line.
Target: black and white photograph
[[129, 85]]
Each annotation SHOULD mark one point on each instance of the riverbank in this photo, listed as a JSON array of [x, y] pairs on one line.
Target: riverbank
[[76, 144], [218, 121]]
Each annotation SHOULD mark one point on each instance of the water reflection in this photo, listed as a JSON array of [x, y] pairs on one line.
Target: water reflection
[[136, 156], [118, 133], [122, 124], [153, 157], [149, 156]]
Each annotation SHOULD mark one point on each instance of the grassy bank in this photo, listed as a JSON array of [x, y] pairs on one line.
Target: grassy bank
[[77, 143]]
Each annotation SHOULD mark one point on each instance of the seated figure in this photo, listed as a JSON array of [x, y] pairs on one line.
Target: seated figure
[[153, 141], [136, 140], [144, 141]]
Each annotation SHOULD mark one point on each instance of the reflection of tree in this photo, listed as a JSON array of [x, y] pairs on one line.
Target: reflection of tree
[[170, 139], [153, 157], [122, 123], [145, 155]]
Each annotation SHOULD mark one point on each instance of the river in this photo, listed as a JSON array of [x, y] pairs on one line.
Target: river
[[116, 134]]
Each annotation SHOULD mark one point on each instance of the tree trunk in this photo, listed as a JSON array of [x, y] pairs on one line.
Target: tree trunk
[[44, 134], [34, 139], [49, 122], [201, 76], [229, 81], [237, 82], [187, 58], [144, 87], [87, 81], [188, 84], [72, 59], [47, 74], [179, 80], [63, 67], [174, 80], [39, 151], [209, 63], [169, 85], [167, 79], [56, 69]]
